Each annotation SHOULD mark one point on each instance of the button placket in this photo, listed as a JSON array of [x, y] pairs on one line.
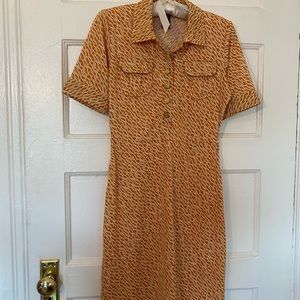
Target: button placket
[[167, 85]]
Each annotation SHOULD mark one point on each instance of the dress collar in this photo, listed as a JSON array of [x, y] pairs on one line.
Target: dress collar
[[142, 23]]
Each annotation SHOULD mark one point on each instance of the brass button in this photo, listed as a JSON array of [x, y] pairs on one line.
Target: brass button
[[167, 85], [170, 55], [167, 100], [166, 114]]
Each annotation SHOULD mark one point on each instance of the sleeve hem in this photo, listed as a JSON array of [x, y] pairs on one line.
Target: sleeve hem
[[241, 103], [86, 95]]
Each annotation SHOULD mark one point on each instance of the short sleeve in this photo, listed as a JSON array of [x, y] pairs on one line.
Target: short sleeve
[[88, 82], [243, 94]]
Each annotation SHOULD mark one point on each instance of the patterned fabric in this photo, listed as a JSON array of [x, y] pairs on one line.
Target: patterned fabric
[[166, 95]]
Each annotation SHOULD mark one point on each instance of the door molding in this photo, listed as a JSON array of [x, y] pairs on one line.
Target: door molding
[[296, 215], [13, 207]]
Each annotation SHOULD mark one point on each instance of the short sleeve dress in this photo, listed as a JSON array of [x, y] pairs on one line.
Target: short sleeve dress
[[166, 95]]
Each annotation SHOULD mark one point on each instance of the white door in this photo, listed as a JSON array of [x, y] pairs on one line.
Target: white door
[[67, 151]]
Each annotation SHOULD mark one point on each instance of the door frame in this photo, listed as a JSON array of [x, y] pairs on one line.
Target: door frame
[[13, 204]]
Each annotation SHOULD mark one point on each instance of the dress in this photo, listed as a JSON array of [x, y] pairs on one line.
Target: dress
[[166, 96]]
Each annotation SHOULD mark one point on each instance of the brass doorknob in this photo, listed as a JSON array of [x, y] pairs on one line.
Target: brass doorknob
[[47, 286]]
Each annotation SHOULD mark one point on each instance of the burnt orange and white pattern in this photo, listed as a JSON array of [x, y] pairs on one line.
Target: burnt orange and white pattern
[[166, 95]]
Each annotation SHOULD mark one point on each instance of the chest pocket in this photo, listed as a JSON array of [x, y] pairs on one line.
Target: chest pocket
[[136, 76], [200, 76]]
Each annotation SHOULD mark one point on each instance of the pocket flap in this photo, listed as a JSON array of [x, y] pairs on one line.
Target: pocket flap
[[135, 65], [200, 68]]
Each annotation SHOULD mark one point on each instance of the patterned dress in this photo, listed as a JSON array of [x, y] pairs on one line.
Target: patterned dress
[[166, 95]]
